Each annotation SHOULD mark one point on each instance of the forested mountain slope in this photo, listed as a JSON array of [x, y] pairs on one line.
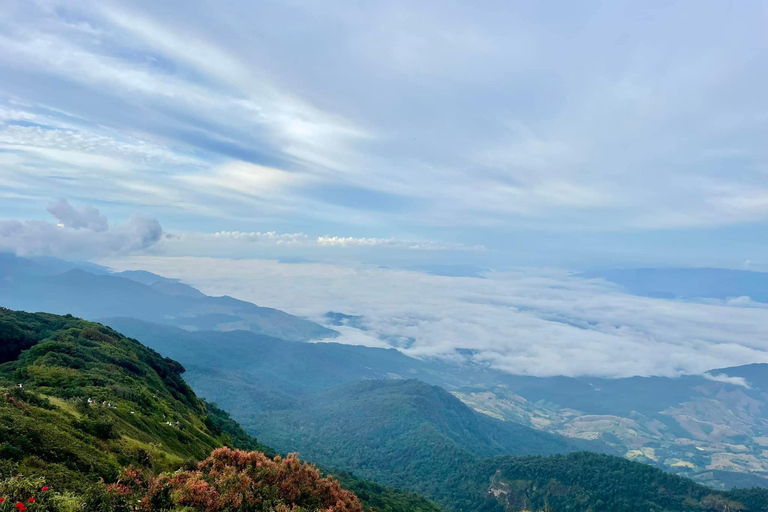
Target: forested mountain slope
[[403, 433], [592, 482], [701, 426], [79, 402], [419, 437]]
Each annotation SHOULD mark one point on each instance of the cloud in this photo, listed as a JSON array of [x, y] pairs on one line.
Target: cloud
[[415, 245], [87, 217], [80, 233], [529, 321], [442, 117], [249, 243], [721, 377]]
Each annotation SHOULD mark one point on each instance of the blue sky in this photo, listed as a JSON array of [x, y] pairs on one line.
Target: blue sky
[[500, 133]]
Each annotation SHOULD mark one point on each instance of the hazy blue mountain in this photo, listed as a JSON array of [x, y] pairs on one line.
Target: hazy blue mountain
[[142, 276], [245, 372], [670, 283], [61, 287]]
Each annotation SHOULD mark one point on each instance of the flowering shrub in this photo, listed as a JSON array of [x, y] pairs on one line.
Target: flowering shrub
[[227, 481], [238, 481], [30, 494]]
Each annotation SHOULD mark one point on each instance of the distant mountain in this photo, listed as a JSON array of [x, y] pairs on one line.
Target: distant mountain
[[714, 431], [245, 372], [403, 433], [592, 482], [713, 427], [93, 292], [689, 283]]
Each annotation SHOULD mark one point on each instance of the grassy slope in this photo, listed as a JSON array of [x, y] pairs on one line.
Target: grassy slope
[[61, 362], [47, 428]]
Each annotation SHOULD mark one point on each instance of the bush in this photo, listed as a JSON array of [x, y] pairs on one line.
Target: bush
[[235, 480]]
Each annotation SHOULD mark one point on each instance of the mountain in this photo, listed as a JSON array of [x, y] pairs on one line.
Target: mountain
[[688, 283], [712, 428], [709, 430], [92, 292], [79, 401], [403, 433], [419, 437], [591, 482]]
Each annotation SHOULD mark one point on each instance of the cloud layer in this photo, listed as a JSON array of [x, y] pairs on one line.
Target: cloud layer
[[535, 322], [428, 121]]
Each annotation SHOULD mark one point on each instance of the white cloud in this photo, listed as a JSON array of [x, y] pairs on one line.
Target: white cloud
[[456, 117], [191, 242], [722, 377], [81, 233], [535, 322]]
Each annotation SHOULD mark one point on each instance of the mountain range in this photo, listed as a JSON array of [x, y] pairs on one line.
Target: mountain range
[[711, 427], [91, 291], [310, 396], [688, 283], [79, 400]]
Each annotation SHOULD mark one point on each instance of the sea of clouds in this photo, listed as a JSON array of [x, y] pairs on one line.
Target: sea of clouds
[[530, 321]]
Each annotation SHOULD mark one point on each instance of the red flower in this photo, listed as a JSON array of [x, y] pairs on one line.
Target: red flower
[[31, 500], [2, 500], [20, 506], [45, 488]]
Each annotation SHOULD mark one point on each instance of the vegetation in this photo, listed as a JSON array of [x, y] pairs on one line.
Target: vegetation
[[228, 480], [419, 437], [234, 480], [403, 433], [79, 403], [589, 482], [93, 421]]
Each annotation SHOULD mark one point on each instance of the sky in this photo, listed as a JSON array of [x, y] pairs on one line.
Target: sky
[[443, 170], [401, 133]]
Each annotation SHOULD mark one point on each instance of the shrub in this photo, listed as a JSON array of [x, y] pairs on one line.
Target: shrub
[[237, 481]]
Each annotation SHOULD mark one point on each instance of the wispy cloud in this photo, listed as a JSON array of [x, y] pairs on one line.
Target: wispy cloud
[[722, 377], [247, 242], [408, 120]]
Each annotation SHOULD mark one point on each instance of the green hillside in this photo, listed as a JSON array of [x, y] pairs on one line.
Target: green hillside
[[418, 437], [79, 401], [589, 482], [79, 398], [403, 433]]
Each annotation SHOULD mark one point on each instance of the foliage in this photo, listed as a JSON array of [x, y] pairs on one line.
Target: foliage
[[83, 399], [403, 433], [235, 480], [19, 494], [589, 482], [227, 481], [92, 401], [385, 499]]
